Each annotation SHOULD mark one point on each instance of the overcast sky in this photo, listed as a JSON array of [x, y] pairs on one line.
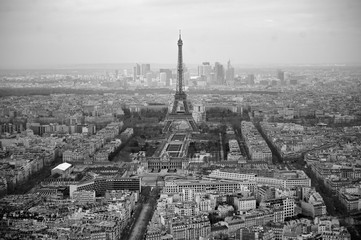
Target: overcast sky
[[45, 32]]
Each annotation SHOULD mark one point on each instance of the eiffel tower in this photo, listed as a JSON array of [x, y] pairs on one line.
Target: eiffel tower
[[179, 113]]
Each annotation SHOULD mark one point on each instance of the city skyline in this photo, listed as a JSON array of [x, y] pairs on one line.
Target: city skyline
[[216, 153], [40, 33]]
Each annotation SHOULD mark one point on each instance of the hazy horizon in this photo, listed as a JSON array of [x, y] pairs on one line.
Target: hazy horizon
[[40, 33], [157, 66]]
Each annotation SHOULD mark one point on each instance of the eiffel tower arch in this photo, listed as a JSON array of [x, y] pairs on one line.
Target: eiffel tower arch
[[180, 118]]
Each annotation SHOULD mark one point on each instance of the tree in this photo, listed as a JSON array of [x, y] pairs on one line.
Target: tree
[[127, 113], [134, 143]]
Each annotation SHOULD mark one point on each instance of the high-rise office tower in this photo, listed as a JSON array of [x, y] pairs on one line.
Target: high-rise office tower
[[137, 69], [134, 73], [229, 73], [145, 69], [163, 78], [250, 79], [168, 73], [281, 75], [149, 77], [200, 70], [219, 73], [205, 70]]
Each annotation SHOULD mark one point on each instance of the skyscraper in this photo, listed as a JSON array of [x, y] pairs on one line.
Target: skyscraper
[[219, 73], [145, 69], [200, 70], [168, 73], [137, 67], [134, 73], [281, 75], [250, 79], [205, 70], [149, 79], [229, 73], [163, 78]]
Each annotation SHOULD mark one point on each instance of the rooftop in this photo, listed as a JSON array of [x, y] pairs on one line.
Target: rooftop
[[63, 166]]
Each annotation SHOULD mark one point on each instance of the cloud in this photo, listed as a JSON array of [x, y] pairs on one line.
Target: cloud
[[146, 30]]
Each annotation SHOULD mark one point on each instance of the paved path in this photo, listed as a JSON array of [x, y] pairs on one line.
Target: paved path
[[140, 226], [141, 223], [221, 149]]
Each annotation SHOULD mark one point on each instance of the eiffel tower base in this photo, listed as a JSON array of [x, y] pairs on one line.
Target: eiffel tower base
[[172, 120]]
